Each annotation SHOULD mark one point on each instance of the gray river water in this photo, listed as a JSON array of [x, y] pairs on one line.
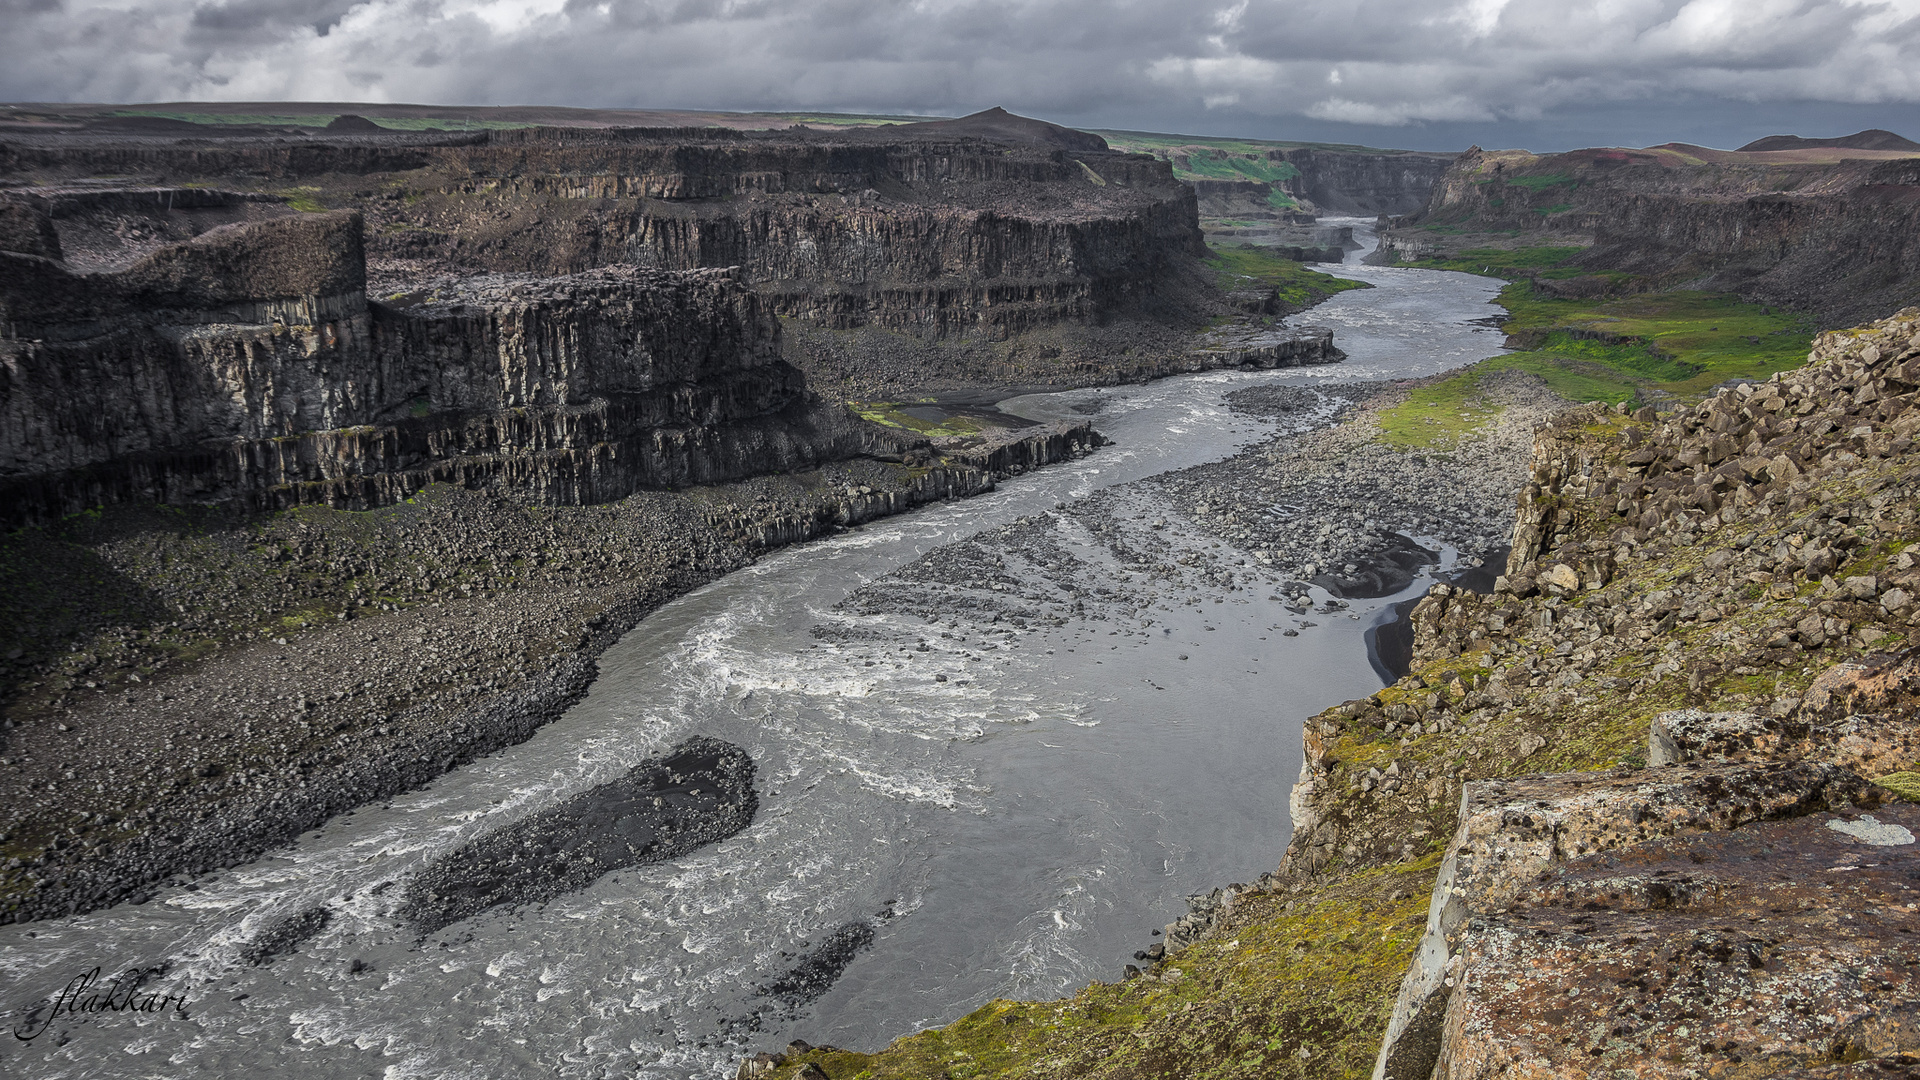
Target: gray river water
[[1014, 831]]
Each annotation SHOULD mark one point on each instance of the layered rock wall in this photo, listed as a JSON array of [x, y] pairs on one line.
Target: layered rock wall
[[248, 364], [1834, 237], [1364, 183], [936, 234]]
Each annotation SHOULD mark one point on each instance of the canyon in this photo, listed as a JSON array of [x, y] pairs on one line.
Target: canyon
[[1826, 229], [574, 315], [220, 356], [340, 463]]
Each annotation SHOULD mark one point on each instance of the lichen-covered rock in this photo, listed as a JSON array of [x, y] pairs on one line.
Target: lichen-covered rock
[[1777, 946], [1512, 831]]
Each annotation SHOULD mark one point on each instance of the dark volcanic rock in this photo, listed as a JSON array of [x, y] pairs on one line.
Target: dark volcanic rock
[[1389, 567], [1870, 139], [285, 935], [816, 972], [699, 793], [351, 122], [1802, 233], [999, 124]]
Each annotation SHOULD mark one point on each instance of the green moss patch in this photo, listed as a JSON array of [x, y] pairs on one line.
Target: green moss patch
[[1904, 784], [893, 414], [1438, 412], [1279, 988]]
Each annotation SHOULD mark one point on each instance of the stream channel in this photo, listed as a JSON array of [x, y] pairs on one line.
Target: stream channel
[[920, 846]]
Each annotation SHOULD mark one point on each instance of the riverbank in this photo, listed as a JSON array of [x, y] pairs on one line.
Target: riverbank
[[1323, 508], [1752, 560], [233, 681]]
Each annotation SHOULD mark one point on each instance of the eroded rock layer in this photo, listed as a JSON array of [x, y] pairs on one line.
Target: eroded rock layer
[[248, 364], [936, 230], [1830, 231]]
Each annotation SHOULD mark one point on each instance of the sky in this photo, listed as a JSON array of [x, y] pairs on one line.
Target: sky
[[1420, 74]]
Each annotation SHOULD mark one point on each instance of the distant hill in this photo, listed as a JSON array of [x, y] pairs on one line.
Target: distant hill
[[1870, 139], [999, 124]]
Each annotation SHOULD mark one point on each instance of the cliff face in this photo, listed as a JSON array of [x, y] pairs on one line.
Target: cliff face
[[248, 364], [1360, 183], [934, 233], [1836, 237]]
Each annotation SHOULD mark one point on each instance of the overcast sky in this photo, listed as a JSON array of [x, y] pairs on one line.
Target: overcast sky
[[1426, 74]]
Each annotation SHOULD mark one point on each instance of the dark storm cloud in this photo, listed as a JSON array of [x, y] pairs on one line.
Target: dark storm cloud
[[1411, 72], [264, 20]]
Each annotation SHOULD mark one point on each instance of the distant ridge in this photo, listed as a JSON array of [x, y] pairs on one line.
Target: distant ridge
[[353, 122], [1870, 139], [999, 124]]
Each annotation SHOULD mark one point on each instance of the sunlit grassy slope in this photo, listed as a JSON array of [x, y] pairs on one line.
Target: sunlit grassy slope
[[1633, 347]]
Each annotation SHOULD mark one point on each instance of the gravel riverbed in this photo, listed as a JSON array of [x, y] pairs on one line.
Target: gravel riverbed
[[202, 687]]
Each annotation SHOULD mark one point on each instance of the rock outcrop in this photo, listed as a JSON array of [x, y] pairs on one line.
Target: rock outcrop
[[1363, 182], [1703, 639], [984, 228], [1833, 235], [248, 365]]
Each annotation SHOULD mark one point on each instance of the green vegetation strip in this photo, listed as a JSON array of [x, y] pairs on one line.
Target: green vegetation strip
[[893, 414], [1638, 347], [1278, 990], [319, 120]]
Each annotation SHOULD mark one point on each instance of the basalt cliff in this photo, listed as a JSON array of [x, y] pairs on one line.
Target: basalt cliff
[[247, 365], [997, 248], [569, 314], [1828, 229]]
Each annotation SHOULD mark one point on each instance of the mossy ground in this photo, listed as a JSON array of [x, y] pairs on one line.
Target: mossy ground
[[1438, 412], [1640, 348], [893, 414], [1281, 987], [1299, 287]]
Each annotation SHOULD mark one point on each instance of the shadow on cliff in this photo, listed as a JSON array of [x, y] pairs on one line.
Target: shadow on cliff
[[56, 589]]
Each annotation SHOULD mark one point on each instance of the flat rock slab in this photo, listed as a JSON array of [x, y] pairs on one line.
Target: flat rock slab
[[699, 793], [1512, 831], [1783, 945], [1832, 862], [1887, 1067]]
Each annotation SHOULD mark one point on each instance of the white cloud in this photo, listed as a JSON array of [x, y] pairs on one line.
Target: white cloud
[[1366, 62]]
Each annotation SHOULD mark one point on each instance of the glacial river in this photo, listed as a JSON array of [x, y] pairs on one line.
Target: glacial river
[[1014, 831]]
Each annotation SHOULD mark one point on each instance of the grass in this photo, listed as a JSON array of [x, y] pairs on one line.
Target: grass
[[1270, 993], [1538, 183], [1299, 287], [1212, 164], [1547, 262], [1683, 342], [1147, 142], [1652, 346], [893, 414], [1438, 413]]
